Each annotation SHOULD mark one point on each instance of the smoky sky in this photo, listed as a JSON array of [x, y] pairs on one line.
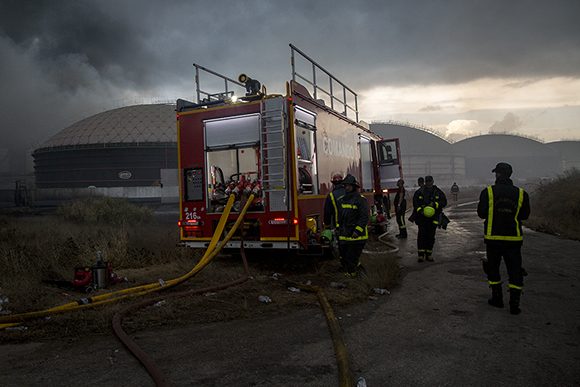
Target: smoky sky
[[62, 60]]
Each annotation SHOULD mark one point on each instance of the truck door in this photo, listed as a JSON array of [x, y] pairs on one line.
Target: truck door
[[389, 156]]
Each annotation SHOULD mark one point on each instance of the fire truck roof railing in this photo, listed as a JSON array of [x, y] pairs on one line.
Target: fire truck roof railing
[[229, 84], [346, 91]]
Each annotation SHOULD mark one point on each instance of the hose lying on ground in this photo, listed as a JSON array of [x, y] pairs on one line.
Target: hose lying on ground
[[345, 378], [394, 248], [90, 302], [141, 355]]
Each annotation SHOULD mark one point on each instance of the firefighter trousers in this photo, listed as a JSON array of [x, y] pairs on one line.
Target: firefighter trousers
[[426, 238], [350, 253], [400, 216], [512, 256]]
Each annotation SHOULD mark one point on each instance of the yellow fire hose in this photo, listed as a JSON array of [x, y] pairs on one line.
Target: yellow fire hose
[[345, 375], [211, 252], [345, 378]]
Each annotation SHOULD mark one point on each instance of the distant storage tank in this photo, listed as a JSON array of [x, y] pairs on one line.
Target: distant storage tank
[[424, 153], [529, 158], [120, 152]]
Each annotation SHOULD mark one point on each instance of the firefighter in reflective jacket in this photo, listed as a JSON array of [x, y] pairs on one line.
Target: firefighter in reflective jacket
[[428, 203], [351, 225], [504, 206], [338, 192]]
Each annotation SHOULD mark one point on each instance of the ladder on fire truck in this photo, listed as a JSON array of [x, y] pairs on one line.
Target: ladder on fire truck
[[273, 145]]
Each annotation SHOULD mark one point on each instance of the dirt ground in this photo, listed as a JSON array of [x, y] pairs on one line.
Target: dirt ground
[[268, 277], [435, 328]]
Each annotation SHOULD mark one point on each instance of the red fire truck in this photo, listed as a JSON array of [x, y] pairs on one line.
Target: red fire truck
[[283, 149]]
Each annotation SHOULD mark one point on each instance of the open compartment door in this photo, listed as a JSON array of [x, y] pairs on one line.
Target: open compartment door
[[390, 169]]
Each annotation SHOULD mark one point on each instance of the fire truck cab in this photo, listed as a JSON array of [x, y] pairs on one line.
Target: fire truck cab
[[281, 148]]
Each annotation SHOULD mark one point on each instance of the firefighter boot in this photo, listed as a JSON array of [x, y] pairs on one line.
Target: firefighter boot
[[496, 296], [515, 301]]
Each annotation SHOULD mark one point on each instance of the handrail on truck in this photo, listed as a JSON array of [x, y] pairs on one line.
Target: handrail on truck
[[317, 88], [214, 96]]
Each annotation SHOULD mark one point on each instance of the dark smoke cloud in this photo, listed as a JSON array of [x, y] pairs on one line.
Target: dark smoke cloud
[[61, 60]]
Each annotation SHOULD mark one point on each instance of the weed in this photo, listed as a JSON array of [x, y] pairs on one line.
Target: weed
[[38, 248], [556, 206], [105, 210]]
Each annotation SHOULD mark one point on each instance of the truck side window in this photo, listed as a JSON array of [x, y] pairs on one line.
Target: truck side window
[[366, 164], [388, 153], [306, 158]]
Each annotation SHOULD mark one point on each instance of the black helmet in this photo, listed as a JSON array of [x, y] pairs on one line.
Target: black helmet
[[351, 180], [503, 169]]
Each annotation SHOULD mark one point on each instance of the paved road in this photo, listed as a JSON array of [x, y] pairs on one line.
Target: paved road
[[436, 329]]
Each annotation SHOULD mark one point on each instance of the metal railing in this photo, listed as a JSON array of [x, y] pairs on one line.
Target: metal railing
[[228, 84], [317, 88]]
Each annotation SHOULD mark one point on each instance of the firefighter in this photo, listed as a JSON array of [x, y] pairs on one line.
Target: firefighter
[[420, 183], [454, 191], [351, 223], [329, 214], [428, 203], [400, 208], [337, 192], [504, 206]]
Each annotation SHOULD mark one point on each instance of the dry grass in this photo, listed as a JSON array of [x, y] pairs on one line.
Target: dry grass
[[38, 248], [34, 249], [556, 206], [105, 210]]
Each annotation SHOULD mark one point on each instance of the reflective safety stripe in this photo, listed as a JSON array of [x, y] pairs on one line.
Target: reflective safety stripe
[[335, 209], [436, 205], [494, 282], [435, 222], [353, 206], [429, 251], [403, 226], [420, 250], [489, 210], [520, 201], [359, 228], [488, 233], [363, 237], [360, 238], [503, 238], [512, 286]]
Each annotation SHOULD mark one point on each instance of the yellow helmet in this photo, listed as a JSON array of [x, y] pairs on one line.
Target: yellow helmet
[[326, 236], [428, 211]]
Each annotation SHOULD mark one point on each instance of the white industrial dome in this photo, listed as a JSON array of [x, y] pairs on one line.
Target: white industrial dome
[[130, 124]]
